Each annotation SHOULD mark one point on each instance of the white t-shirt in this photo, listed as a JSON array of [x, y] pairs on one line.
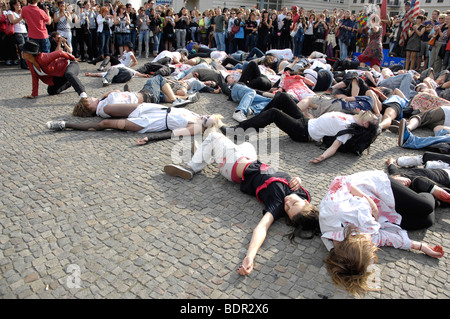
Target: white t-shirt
[[126, 58], [282, 54], [218, 55], [168, 54], [116, 98], [19, 27], [329, 124]]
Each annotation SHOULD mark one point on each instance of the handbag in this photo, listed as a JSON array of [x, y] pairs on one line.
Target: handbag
[[9, 27], [432, 41]]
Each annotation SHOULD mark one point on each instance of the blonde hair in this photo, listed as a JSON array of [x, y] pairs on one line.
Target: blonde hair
[[348, 262], [81, 108]]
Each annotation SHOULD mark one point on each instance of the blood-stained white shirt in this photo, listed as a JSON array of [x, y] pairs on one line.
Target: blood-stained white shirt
[[339, 208]]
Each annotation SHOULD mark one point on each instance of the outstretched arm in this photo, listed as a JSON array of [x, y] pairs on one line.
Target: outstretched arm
[[328, 153], [436, 252], [258, 237]]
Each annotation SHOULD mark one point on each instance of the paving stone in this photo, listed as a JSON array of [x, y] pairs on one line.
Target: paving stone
[[94, 200]]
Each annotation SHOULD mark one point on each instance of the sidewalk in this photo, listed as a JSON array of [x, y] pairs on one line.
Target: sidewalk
[[91, 215]]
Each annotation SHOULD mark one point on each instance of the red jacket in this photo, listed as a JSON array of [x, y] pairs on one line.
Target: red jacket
[[52, 64]]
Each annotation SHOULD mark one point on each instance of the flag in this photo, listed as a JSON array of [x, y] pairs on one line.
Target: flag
[[383, 15], [412, 13]]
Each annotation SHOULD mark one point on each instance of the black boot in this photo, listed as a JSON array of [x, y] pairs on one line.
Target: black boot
[[94, 61]]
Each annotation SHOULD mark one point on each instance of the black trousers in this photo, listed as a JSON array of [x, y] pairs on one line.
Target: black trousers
[[416, 209], [70, 78], [284, 112], [252, 77]]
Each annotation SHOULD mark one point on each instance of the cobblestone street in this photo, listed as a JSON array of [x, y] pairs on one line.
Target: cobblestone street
[[93, 215]]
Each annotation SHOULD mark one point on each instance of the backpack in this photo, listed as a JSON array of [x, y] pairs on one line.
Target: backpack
[[361, 138]]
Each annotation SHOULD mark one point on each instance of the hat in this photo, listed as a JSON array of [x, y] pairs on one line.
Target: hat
[[30, 47], [294, 8]]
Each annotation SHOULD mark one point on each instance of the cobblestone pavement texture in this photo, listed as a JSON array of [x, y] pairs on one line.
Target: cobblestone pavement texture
[[92, 215]]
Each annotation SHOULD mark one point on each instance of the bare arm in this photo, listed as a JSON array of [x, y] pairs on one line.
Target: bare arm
[[258, 237], [328, 152]]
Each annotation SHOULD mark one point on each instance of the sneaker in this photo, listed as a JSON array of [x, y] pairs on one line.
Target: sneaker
[[101, 69], [239, 116], [409, 161], [393, 129], [194, 97], [106, 83], [180, 103], [56, 125], [179, 171], [437, 164], [403, 133], [126, 88]]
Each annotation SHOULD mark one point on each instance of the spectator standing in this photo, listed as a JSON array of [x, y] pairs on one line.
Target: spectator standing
[[36, 20], [219, 29], [122, 23], [20, 28], [182, 21], [143, 23], [61, 18], [309, 35]]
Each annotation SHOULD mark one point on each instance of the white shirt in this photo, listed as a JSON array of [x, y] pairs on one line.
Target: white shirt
[[446, 110], [19, 27], [126, 58], [168, 54], [339, 208], [329, 124], [282, 54], [116, 98]]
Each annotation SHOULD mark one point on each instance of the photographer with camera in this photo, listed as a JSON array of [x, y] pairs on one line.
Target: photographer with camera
[[182, 21]]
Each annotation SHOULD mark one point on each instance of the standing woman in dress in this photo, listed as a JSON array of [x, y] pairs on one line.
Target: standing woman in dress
[[373, 54], [414, 42], [62, 18], [168, 30]]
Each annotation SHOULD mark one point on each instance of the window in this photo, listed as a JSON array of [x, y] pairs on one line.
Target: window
[[440, 1]]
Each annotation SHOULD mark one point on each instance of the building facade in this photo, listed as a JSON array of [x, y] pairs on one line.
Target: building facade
[[393, 7]]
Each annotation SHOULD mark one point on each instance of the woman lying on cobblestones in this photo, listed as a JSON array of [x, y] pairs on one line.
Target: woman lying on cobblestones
[[282, 195], [364, 211], [143, 118], [284, 112], [433, 178]]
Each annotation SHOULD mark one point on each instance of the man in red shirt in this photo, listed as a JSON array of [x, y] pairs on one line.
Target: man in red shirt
[[36, 19]]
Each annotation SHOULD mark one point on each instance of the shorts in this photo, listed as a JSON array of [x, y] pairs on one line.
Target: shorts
[[324, 105], [431, 118], [122, 38], [396, 106]]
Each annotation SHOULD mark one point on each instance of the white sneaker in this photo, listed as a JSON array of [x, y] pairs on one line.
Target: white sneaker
[[409, 161], [194, 97], [106, 83], [180, 103], [437, 164], [56, 125], [239, 116]]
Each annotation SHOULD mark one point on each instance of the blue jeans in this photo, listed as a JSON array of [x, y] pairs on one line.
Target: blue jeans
[[298, 43], [248, 99], [416, 142], [44, 44], [220, 40], [154, 87], [103, 42], [404, 82], [123, 38], [143, 37], [343, 50]]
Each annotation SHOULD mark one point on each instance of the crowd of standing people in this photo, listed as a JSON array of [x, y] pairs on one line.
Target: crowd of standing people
[[91, 30], [274, 66]]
